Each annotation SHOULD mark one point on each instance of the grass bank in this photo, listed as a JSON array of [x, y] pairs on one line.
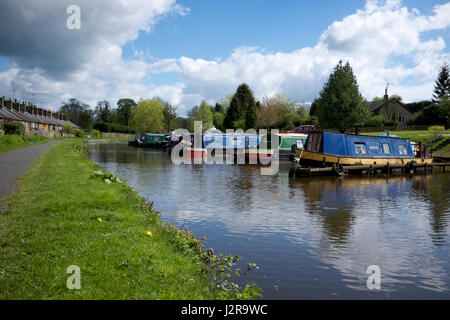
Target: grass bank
[[62, 217], [420, 135], [11, 142]]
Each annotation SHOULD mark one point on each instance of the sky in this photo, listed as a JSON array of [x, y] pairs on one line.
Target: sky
[[188, 51]]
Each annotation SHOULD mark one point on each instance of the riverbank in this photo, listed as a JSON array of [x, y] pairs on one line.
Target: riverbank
[[12, 142], [61, 217]]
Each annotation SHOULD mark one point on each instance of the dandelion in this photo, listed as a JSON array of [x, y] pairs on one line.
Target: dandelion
[[149, 233], [81, 223], [23, 253], [100, 220]]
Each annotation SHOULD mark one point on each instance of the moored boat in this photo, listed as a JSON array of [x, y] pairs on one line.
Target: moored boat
[[152, 140], [325, 148]]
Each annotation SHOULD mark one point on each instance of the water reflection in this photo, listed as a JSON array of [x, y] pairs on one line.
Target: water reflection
[[311, 238]]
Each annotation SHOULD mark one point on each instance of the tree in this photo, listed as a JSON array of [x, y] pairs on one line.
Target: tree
[[340, 104], [314, 110], [78, 113], [436, 113], [414, 107], [205, 115], [148, 116], [442, 87], [170, 117], [219, 108], [219, 118], [103, 112], [124, 108], [392, 96], [242, 101], [250, 116]]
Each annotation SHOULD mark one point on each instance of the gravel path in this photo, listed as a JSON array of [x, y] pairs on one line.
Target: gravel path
[[14, 163]]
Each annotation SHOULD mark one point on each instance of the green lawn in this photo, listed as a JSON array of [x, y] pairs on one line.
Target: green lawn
[[62, 217], [417, 136], [11, 142]]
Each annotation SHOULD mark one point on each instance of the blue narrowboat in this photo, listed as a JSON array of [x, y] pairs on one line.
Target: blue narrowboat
[[325, 148]]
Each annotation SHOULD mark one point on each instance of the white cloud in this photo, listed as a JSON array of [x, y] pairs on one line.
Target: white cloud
[[385, 43]]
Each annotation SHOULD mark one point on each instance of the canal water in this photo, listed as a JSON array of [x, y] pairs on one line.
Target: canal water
[[312, 239]]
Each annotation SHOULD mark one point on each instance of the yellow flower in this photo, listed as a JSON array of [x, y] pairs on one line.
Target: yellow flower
[[23, 253], [149, 233], [81, 223], [100, 220]]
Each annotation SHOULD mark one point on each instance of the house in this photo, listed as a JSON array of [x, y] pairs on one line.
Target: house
[[35, 119], [390, 109]]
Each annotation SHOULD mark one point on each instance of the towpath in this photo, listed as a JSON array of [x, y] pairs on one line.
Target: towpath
[[13, 164]]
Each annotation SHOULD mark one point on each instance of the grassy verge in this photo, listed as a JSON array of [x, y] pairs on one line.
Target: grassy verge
[[11, 142], [62, 217]]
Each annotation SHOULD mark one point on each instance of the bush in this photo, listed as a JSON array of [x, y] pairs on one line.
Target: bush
[[79, 133], [436, 131], [391, 123], [14, 127], [112, 127], [94, 133], [2, 125], [376, 121], [67, 128]]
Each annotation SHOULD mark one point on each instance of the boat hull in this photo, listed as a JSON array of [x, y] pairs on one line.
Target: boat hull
[[320, 160]]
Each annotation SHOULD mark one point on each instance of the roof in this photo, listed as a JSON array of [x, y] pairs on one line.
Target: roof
[[6, 113], [374, 105]]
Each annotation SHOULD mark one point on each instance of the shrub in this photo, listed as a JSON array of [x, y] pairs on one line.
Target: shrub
[[112, 127], [391, 123], [436, 131], [79, 133], [376, 121], [67, 128], [94, 133], [2, 125], [14, 127]]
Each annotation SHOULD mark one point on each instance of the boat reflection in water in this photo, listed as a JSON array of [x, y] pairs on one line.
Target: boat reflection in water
[[311, 238]]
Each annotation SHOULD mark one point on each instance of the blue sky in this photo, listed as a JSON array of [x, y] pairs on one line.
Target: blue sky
[[200, 49]]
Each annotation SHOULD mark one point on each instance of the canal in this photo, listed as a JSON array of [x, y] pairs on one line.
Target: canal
[[312, 239]]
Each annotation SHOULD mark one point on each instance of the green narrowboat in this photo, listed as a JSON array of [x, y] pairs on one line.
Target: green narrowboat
[[152, 140]]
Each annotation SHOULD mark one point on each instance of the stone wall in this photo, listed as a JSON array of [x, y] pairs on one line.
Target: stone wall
[[115, 135]]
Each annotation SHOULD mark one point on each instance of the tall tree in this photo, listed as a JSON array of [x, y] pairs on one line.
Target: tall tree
[[314, 110], [103, 112], [205, 115], [124, 108], [242, 101], [442, 87], [340, 104], [170, 117], [148, 116], [78, 112]]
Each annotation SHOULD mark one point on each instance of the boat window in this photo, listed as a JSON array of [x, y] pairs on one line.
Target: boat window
[[318, 141], [386, 148], [360, 148], [310, 139], [402, 150]]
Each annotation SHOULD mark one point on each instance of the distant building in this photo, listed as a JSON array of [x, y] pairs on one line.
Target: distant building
[[389, 108], [34, 118]]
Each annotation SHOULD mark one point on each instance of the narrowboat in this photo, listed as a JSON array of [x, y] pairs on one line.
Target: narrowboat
[[151, 140], [324, 149], [286, 144]]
